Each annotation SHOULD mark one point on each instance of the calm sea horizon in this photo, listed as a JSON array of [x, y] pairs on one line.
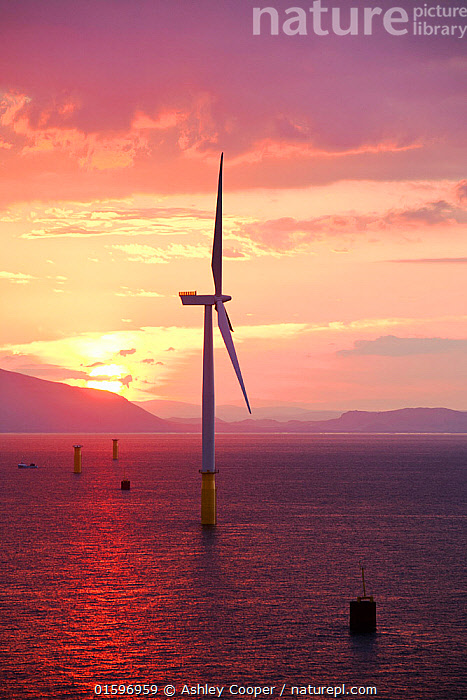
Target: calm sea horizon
[[105, 588]]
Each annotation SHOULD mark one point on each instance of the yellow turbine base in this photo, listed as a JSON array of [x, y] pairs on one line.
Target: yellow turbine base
[[77, 459], [208, 499]]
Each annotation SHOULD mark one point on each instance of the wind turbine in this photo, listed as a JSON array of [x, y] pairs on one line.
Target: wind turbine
[[208, 470]]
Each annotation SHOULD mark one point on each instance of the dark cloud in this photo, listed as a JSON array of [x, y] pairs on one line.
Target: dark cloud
[[461, 190], [432, 213], [96, 364], [392, 346], [150, 361], [124, 353], [126, 380]]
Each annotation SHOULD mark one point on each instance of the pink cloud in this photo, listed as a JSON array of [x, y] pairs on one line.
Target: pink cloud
[[392, 346], [432, 213], [454, 261], [291, 150], [171, 150], [288, 233], [89, 151], [126, 381], [146, 101], [461, 190]]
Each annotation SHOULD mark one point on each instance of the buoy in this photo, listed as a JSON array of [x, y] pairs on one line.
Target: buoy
[[363, 611], [77, 460], [115, 448]]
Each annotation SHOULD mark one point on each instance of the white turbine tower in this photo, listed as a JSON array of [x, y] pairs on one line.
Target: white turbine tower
[[208, 470]]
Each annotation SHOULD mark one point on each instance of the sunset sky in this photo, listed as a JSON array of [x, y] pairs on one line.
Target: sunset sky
[[345, 203]]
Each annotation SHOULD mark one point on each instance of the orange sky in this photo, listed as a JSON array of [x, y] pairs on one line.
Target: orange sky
[[344, 206]]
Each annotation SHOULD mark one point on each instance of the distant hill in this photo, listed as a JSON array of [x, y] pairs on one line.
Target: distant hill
[[30, 405], [404, 420], [180, 411], [163, 408]]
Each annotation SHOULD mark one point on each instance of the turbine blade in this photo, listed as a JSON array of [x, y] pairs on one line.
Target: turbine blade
[[225, 332], [216, 262], [228, 320]]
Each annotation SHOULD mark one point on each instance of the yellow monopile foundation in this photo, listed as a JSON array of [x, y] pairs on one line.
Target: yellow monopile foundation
[[208, 498], [77, 462]]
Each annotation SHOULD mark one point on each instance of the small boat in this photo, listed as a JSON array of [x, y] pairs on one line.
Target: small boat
[[23, 465]]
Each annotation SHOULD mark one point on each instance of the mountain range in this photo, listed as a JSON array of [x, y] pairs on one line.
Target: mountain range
[[403, 420], [30, 405], [181, 411]]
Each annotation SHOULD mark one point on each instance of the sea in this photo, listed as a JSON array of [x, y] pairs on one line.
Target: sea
[[105, 592]]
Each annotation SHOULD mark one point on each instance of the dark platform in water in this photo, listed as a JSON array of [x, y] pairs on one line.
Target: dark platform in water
[[363, 614]]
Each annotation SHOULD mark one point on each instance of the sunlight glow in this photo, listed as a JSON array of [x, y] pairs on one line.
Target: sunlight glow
[[114, 386], [108, 371]]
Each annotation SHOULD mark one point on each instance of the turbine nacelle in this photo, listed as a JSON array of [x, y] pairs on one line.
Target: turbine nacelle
[[193, 299]]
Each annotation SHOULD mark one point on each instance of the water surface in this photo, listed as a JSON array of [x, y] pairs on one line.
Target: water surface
[[103, 586]]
